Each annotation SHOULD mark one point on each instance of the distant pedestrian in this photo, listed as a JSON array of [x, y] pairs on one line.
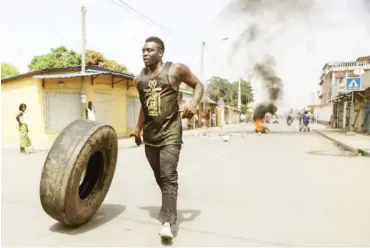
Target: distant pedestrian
[[203, 119], [90, 112], [194, 121], [23, 129], [208, 118], [214, 119]]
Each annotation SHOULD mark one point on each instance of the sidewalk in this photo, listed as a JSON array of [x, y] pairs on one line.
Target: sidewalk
[[359, 143]]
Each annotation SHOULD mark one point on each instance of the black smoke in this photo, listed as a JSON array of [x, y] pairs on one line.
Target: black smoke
[[263, 108], [272, 84], [264, 20]]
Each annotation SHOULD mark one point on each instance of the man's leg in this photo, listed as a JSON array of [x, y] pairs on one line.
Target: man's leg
[[152, 154], [169, 158]]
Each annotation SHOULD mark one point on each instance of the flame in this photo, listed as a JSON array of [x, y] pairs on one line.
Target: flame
[[260, 127]]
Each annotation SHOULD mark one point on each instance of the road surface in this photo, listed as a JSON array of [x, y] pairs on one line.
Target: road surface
[[281, 189]]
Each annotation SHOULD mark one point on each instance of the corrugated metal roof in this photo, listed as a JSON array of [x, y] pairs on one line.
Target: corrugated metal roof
[[69, 75], [206, 98], [70, 68]]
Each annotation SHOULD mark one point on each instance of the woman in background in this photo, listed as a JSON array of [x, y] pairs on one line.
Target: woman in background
[[23, 129]]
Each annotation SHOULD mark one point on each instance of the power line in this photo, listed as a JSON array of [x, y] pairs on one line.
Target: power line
[[130, 9], [125, 6]]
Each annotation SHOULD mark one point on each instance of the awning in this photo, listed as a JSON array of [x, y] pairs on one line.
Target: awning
[[363, 89], [340, 75], [206, 99], [75, 74], [341, 96], [68, 75], [337, 98], [232, 108]]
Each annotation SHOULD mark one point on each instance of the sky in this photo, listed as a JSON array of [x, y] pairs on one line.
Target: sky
[[332, 30], [40, 25]]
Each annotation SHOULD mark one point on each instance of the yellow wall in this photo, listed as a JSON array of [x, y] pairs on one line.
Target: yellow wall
[[23, 90], [31, 92], [102, 84], [71, 85]]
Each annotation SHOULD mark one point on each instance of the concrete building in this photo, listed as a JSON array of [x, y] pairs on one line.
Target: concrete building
[[56, 97], [349, 109]]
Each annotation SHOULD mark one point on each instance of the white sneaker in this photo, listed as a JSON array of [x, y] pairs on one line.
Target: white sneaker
[[166, 232]]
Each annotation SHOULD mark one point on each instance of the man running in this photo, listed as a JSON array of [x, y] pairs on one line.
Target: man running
[[160, 119]]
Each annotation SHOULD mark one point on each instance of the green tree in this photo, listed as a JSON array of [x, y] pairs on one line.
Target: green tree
[[8, 70], [246, 92], [57, 58], [95, 58], [222, 88], [62, 57], [113, 65]]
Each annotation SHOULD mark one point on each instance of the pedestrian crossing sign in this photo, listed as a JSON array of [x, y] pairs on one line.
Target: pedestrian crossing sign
[[353, 83]]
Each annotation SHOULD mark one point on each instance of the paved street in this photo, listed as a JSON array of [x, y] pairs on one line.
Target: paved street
[[281, 189]]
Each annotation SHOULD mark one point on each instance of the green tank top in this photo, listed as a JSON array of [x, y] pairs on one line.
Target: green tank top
[[162, 119]]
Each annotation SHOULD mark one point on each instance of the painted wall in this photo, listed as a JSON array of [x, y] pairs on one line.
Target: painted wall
[[13, 93], [324, 114], [30, 91], [101, 84]]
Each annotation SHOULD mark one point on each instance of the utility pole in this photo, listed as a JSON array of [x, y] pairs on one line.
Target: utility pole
[[83, 66], [239, 95], [202, 69], [83, 62]]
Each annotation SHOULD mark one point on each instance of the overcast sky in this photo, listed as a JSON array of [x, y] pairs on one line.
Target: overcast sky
[[33, 27], [336, 30]]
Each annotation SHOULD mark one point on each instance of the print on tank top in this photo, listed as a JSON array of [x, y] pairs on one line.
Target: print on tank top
[[153, 102]]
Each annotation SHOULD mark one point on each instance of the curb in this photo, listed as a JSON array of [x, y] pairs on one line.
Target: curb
[[356, 150]]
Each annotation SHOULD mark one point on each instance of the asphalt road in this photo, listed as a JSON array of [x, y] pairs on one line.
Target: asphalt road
[[281, 189]]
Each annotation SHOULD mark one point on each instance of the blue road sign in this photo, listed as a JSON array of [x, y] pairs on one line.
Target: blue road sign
[[353, 84]]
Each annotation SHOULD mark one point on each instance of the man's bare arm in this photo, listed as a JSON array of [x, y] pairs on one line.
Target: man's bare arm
[[140, 122], [186, 76]]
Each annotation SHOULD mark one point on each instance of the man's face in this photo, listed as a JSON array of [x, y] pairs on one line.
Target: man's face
[[90, 104], [152, 53]]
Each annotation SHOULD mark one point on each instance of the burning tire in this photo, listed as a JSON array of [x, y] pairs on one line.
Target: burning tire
[[78, 172]]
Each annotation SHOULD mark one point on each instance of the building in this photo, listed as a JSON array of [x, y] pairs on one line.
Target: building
[[56, 97], [349, 109], [224, 114], [332, 79]]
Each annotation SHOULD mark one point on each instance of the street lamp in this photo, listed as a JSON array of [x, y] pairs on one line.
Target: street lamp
[[203, 47]]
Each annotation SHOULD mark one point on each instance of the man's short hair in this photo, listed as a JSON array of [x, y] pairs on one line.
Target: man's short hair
[[156, 40]]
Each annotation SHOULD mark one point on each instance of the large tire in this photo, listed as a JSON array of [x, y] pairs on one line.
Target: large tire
[[82, 145]]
